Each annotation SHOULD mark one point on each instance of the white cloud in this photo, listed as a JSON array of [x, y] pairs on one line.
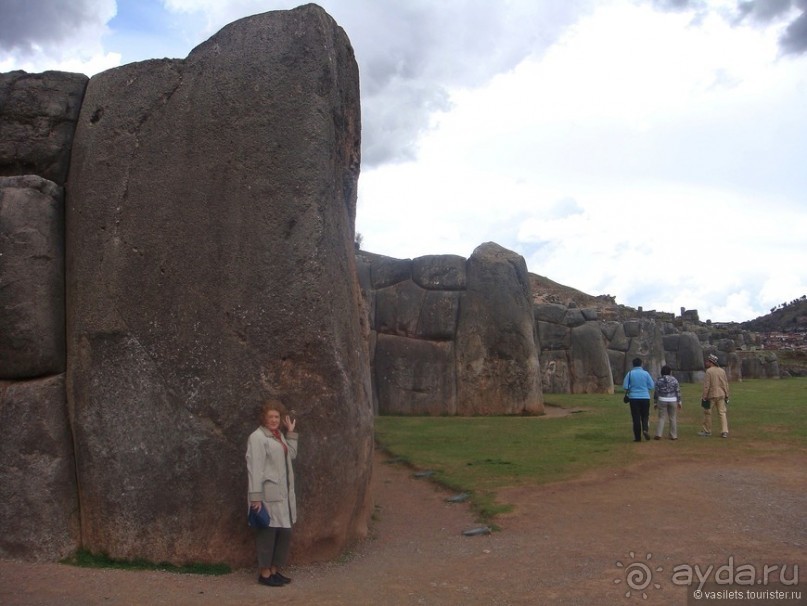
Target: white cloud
[[660, 131], [38, 35]]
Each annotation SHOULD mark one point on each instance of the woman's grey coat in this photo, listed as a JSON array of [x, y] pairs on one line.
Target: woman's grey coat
[[271, 475]]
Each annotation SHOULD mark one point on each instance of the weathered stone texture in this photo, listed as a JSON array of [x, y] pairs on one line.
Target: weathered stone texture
[[689, 353], [591, 370], [414, 376], [555, 372], [422, 352], [553, 336], [497, 359], [439, 315], [38, 114], [398, 308], [32, 321], [39, 518], [553, 313], [210, 265], [387, 271], [759, 364], [645, 343], [439, 272]]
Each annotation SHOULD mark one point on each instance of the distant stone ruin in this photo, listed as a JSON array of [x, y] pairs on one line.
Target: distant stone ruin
[[414, 307], [451, 336]]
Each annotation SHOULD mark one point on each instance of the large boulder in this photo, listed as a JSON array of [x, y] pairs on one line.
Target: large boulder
[[439, 272], [39, 517], [210, 232], [31, 278], [689, 352], [38, 114], [555, 372], [439, 315], [552, 337], [646, 343], [497, 358], [591, 369], [415, 376], [759, 365], [387, 271], [398, 308]]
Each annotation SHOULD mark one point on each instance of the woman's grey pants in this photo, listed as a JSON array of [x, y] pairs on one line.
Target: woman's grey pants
[[273, 546], [667, 409]]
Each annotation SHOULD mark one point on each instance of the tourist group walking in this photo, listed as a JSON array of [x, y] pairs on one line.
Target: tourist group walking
[[665, 391]]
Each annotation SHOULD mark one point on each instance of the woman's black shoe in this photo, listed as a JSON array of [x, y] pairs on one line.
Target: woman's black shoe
[[286, 580], [271, 581]]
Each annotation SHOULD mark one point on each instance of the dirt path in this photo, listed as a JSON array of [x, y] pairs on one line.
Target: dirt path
[[586, 541]]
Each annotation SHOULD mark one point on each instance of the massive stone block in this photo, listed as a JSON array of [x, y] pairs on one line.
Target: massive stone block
[[439, 272], [555, 372], [398, 308], [553, 336], [591, 370], [645, 343], [210, 232], [414, 376], [497, 359], [553, 313], [387, 271], [38, 114], [759, 365], [690, 353], [439, 315], [39, 506], [31, 278]]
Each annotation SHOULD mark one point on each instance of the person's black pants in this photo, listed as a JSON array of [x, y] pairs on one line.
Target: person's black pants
[[640, 414]]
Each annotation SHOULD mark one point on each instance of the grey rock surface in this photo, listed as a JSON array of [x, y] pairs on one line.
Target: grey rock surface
[[210, 266], [39, 516], [38, 114], [32, 316], [497, 358]]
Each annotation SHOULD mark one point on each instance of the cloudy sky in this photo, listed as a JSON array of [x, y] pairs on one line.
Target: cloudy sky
[[653, 150]]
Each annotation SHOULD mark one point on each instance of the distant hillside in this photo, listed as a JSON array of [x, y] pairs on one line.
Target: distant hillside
[[545, 290], [791, 317], [788, 318]]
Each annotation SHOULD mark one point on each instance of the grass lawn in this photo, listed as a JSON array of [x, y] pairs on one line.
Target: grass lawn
[[481, 454]]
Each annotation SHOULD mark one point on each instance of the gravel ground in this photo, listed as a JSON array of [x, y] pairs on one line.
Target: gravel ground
[[611, 537]]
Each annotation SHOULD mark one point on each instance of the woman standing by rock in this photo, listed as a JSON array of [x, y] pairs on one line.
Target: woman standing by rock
[[271, 485]]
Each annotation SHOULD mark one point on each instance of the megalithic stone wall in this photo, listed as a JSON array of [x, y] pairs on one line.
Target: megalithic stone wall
[[452, 336], [210, 265], [39, 505]]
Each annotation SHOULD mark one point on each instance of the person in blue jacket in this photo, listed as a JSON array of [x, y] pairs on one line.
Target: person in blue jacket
[[638, 383]]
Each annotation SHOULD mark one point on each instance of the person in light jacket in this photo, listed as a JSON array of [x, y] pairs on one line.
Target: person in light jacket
[[715, 396], [638, 383], [271, 482], [667, 397]]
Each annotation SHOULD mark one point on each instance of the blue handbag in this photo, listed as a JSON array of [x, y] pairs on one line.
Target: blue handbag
[[260, 518]]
